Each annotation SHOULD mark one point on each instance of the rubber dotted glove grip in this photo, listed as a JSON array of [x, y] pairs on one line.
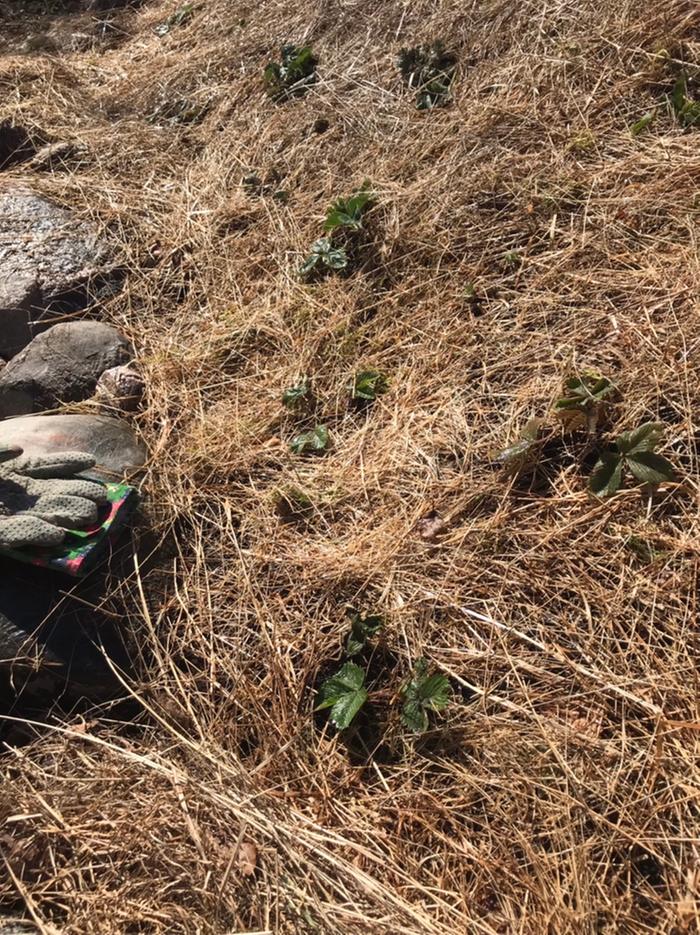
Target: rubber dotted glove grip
[[40, 498]]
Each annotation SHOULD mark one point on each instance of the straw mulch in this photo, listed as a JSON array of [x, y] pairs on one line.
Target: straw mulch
[[559, 790]]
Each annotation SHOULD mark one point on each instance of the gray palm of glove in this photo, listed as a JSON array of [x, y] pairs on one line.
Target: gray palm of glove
[[40, 497]]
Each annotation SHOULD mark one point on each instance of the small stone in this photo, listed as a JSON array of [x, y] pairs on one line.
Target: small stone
[[121, 387], [112, 442], [61, 365]]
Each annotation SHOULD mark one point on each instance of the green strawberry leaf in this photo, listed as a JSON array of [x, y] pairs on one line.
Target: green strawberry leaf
[[423, 693], [344, 710], [313, 441], [644, 438], [309, 264], [368, 384], [650, 468], [434, 692], [414, 716], [293, 75], [606, 478], [293, 395], [348, 212], [323, 253], [584, 392], [361, 629], [344, 693]]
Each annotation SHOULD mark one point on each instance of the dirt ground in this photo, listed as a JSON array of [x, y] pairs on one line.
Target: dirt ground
[[528, 231]]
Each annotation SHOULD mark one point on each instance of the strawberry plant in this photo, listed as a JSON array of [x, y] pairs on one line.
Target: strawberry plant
[[346, 213], [634, 452], [180, 17], [362, 628], [323, 257], [312, 442], [423, 693], [429, 71], [344, 693], [293, 75], [295, 396], [349, 689], [366, 385], [583, 402], [344, 219]]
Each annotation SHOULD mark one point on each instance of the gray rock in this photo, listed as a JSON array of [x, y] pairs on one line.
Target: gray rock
[[121, 387], [61, 365], [49, 259], [112, 442]]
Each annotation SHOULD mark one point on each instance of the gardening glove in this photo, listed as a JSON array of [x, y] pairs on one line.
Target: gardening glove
[[40, 498]]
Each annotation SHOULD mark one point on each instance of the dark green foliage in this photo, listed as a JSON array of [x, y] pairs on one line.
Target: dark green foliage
[[323, 257], [367, 385], [312, 442], [293, 75], [686, 109], [362, 628], [295, 396], [423, 693], [344, 693], [607, 474], [584, 391], [346, 213], [343, 221], [583, 400], [634, 451], [429, 71], [523, 453]]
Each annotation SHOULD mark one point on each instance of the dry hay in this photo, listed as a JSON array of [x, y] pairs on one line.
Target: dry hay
[[559, 792]]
